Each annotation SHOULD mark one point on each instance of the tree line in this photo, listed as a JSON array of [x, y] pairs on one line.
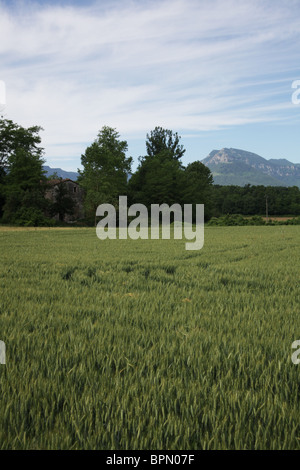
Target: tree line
[[160, 176], [106, 174], [255, 200]]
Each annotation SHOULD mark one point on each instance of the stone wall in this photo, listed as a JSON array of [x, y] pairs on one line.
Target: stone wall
[[74, 191]]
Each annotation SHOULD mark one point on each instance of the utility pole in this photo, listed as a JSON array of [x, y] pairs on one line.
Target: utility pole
[[267, 209]]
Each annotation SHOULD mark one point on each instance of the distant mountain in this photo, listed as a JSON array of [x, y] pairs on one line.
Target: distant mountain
[[72, 175], [238, 167]]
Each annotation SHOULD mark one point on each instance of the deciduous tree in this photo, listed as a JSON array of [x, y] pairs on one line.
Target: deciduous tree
[[159, 176], [105, 170], [21, 172]]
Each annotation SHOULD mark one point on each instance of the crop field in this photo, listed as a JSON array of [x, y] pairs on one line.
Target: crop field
[[139, 344]]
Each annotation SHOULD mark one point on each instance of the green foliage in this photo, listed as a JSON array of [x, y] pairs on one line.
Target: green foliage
[[164, 141], [14, 137], [235, 219], [158, 180], [31, 217], [105, 169], [21, 172], [2, 189], [251, 200], [23, 188], [293, 221], [123, 344], [198, 186], [63, 203], [161, 177]]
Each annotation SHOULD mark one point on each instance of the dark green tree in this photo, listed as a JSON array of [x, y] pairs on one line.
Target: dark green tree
[[2, 190], [14, 137], [21, 171], [160, 175], [105, 170], [251, 200], [198, 186], [63, 204], [164, 140], [157, 180], [24, 188]]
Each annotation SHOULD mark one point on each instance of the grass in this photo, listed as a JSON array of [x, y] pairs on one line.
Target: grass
[[123, 344]]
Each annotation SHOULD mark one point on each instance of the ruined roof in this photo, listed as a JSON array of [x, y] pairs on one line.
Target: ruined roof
[[58, 181]]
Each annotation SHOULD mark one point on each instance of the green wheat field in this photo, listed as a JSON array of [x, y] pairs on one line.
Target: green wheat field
[[140, 344]]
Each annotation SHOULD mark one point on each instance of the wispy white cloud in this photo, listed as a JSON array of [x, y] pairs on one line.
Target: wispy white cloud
[[188, 65]]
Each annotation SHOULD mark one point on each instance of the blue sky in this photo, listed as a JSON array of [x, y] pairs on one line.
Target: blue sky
[[219, 73]]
